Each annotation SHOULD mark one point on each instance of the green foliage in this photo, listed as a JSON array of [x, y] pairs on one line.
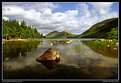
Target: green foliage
[[52, 34], [12, 29], [107, 47], [13, 50], [101, 29], [113, 33], [78, 48], [56, 34]]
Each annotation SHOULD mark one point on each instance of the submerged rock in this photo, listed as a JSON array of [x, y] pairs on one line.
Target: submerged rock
[[49, 59]]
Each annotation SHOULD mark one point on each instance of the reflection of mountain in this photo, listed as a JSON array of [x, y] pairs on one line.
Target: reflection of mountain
[[16, 49], [78, 48], [78, 63], [57, 42]]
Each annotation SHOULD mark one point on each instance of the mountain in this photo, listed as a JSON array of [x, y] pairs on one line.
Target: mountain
[[63, 34], [104, 29], [66, 31], [101, 29], [52, 34]]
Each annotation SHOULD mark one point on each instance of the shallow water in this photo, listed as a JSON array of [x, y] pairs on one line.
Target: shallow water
[[79, 58]]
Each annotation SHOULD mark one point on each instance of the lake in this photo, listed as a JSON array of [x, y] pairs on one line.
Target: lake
[[79, 59]]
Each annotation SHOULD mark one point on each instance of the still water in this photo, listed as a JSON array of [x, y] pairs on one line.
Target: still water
[[79, 58]]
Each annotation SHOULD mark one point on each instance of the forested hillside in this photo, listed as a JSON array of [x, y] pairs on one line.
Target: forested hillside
[[14, 29], [104, 29]]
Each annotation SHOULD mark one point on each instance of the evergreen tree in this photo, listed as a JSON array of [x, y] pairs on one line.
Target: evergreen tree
[[12, 29]]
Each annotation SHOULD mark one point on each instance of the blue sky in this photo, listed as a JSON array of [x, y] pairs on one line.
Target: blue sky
[[72, 5], [66, 6], [76, 17], [115, 7]]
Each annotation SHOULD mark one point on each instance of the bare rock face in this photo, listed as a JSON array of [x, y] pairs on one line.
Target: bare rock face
[[49, 59]]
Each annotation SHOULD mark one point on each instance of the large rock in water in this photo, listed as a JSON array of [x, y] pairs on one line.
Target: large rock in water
[[49, 59]]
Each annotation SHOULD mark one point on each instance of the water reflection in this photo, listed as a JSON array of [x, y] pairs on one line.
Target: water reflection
[[105, 47], [13, 50], [50, 64], [78, 59], [57, 42]]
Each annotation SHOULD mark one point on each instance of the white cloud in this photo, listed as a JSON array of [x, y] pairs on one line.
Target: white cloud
[[33, 5], [5, 18], [41, 16], [83, 9], [32, 15], [100, 11], [12, 10], [102, 7], [104, 10], [58, 17], [72, 13]]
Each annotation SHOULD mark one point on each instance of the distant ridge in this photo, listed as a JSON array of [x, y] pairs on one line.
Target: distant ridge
[[98, 30], [101, 29], [63, 34]]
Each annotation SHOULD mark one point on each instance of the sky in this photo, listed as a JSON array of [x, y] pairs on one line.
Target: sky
[[76, 17]]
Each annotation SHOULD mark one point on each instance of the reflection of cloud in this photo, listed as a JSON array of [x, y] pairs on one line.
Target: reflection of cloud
[[13, 65], [107, 62], [68, 56], [19, 63], [86, 56]]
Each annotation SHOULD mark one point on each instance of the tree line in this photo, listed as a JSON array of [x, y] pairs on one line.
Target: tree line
[[14, 29], [113, 33]]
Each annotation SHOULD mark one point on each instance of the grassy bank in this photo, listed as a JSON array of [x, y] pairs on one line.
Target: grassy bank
[[20, 39], [107, 47]]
